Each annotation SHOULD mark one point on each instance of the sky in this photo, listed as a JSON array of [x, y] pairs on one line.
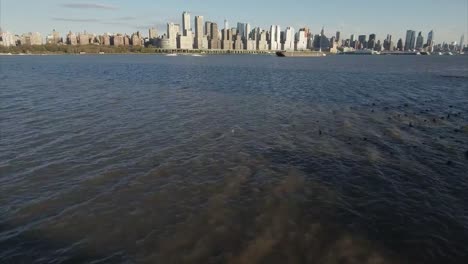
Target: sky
[[448, 18]]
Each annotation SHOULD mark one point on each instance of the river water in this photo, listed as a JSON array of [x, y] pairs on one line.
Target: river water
[[233, 159]]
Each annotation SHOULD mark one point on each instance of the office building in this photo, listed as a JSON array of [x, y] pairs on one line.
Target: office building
[[419, 41], [186, 26], [410, 40], [288, 39], [275, 37], [199, 34]]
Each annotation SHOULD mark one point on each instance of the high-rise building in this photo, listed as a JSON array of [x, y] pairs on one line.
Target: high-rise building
[[410, 40], [152, 33], [214, 42], [387, 45], [241, 29], [371, 42], [186, 26], [462, 43], [199, 35], [262, 41], [400, 45], [275, 37], [226, 24], [7, 39], [172, 33], [301, 40], [419, 41], [208, 29], [288, 39], [430, 38], [362, 41]]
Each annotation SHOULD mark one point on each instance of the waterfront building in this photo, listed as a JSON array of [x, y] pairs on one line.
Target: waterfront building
[[83, 39], [288, 40], [419, 41], [31, 39], [275, 37], [387, 42], [106, 40], [152, 33], [126, 40], [54, 38], [461, 44], [241, 30], [214, 41], [71, 39], [7, 39], [238, 42], [136, 39], [185, 42], [186, 26], [410, 40], [430, 39], [400, 45], [371, 42], [301, 40], [117, 40], [172, 33], [362, 41], [199, 35], [262, 41], [226, 43], [208, 29]]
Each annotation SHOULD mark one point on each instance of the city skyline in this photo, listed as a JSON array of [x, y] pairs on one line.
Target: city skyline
[[449, 21]]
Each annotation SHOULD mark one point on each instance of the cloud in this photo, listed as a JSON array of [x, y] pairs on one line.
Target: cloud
[[89, 6], [75, 19], [126, 18]]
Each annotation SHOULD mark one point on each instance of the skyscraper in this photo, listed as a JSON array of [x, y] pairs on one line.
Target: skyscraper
[[462, 42], [288, 41], [186, 26], [400, 45], [241, 29], [371, 42], [199, 35], [208, 29], [275, 37], [362, 41], [152, 33], [172, 33], [419, 41], [430, 38], [226, 24], [410, 40]]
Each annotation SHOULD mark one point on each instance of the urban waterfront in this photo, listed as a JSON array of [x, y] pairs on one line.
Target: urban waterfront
[[233, 159]]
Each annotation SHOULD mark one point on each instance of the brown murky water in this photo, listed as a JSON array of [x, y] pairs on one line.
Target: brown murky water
[[233, 159]]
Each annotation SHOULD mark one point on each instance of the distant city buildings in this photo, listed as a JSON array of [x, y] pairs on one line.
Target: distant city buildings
[[207, 35]]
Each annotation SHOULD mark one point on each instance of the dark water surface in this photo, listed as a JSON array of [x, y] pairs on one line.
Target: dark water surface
[[233, 159]]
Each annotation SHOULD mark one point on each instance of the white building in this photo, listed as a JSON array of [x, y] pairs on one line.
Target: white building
[[185, 42], [275, 37], [172, 33], [288, 42], [7, 39], [186, 26], [262, 42], [301, 40]]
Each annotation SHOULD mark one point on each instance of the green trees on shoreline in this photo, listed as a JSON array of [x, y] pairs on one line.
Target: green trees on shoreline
[[68, 49]]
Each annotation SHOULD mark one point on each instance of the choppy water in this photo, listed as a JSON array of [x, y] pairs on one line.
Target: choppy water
[[233, 159]]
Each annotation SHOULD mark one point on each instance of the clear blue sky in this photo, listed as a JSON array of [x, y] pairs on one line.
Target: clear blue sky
[[449, 19]]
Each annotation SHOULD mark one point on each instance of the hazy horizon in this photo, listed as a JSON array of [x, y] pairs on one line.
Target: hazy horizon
[[449, 21]]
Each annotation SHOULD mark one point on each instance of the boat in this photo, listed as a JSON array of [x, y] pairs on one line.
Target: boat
[[171, 54], [197, 55], [300, 54]]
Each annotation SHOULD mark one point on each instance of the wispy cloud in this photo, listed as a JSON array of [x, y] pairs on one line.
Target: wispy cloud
[[126, 18], [89, 6], [75, 19]]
